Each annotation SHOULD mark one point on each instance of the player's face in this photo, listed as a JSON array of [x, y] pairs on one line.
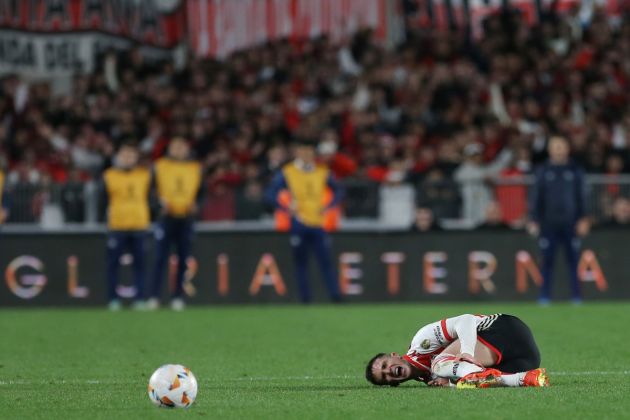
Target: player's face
[[391, 369]]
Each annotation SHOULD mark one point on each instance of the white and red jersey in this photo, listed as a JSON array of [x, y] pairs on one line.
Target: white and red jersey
[[433, 338]]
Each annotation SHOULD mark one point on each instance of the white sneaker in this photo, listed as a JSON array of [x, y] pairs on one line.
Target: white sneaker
[[114, 305], [139, 305], [178, 304], [153, 304]]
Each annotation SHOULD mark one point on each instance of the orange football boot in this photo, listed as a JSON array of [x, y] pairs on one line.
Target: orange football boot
[[536, 377], [487, 378]]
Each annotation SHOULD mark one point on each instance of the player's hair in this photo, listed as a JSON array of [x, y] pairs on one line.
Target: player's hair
[[369, 373]]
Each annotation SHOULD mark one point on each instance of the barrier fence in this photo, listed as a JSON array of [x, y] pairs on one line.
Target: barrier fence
[[54, 204], [68, 269]]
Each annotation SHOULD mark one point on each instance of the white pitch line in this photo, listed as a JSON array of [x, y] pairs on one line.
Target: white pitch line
[[278, 378], [272, 378], [594, 372]]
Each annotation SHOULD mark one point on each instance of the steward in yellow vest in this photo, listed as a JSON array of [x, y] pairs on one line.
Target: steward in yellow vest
[[308, 183], [178, 187], [126, 189]]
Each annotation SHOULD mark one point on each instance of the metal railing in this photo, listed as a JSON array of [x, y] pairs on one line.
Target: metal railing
[[76, 204]]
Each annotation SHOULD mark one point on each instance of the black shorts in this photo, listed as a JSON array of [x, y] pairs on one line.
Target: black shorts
[[513, 343]]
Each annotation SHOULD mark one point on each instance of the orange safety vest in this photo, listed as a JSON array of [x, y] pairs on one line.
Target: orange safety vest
[[283, 217]]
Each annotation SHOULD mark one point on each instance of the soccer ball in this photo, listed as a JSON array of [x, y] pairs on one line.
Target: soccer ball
[[173, 386]]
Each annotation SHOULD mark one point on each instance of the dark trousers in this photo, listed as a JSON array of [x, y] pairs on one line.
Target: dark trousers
[[117, 243], [550, 238], [172, 231], [303, 239]]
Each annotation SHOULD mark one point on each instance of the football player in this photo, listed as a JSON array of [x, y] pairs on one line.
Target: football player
[[467, 351]]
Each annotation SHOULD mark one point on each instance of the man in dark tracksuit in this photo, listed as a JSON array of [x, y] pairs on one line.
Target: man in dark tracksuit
[[557, 213], [307, 181]]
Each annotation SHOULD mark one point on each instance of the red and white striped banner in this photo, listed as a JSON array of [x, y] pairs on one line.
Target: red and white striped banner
[[219, 27]]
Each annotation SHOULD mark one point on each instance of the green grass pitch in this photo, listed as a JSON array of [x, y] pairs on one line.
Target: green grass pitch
[[295, 362]]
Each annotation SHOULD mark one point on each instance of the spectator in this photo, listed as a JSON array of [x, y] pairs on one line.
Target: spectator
[[4, 199], [220, 203], [511, 190], [396, 197], [620, 213], [276, 156], [424, 221], [614, 168], [416, 104], [341, 165], [494, 219], [250, 203], [440, 195], [473, 177], [73, 198]]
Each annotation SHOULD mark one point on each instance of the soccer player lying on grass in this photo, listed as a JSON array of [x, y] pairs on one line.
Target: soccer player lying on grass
[[466, 351]]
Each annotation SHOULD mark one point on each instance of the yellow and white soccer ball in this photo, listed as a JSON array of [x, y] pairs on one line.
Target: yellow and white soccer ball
[[173, 386]]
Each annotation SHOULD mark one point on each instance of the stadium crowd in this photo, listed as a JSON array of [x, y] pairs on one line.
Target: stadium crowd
[[443, 111]]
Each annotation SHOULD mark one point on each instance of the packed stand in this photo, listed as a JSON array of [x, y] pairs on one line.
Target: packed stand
[[443, 112]]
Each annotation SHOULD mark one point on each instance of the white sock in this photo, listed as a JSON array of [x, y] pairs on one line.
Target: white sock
[[446, 366], [512, 379]]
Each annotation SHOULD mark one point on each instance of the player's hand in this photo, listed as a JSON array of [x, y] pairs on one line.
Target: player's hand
[[3, 215], [533, 228], [583, 227], [467, 358], [438, 382]]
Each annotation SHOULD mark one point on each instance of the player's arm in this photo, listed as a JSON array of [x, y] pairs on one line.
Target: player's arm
[[337, 191], [440, 382], [463, 327], [278, 183]]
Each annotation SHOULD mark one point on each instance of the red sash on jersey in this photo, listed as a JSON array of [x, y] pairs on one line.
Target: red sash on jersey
[[422, 360]]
